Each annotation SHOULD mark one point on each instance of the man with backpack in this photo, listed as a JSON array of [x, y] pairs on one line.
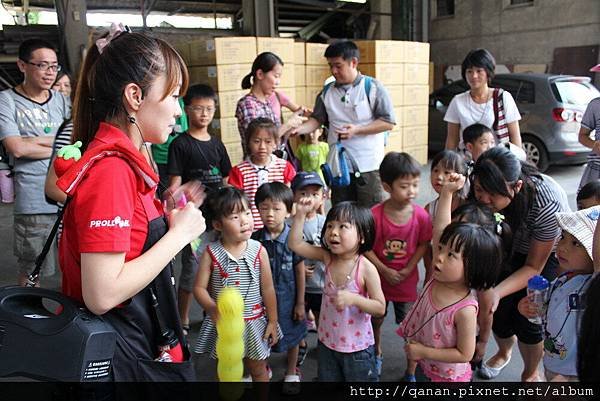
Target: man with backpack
[[357, 111]]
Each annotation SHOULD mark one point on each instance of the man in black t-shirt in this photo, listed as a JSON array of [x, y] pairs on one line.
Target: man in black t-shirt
[[196, 155]]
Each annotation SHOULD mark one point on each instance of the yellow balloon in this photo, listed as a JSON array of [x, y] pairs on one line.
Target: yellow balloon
[[230, 335]]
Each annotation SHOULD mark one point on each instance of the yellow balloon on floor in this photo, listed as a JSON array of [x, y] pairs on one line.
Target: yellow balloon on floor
[[230, 335]]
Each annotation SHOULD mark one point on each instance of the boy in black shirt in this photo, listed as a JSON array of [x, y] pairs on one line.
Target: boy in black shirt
[[196, 155]]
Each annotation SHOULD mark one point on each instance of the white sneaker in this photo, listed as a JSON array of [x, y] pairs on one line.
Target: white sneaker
[[248, 377], [291, 384]]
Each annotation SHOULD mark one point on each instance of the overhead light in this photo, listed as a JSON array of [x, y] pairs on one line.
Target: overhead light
[[352, 1]]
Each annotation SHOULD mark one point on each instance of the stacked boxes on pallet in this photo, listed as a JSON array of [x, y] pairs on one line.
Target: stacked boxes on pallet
[[222, 63], [403, 68], [317, 71]]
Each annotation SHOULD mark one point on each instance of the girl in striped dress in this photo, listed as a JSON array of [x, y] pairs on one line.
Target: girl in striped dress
[[262, 165], [237, 261]]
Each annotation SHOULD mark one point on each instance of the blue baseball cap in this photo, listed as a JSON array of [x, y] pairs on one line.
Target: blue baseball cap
[[306, 178]]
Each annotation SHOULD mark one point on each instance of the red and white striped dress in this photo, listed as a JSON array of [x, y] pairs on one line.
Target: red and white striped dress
[[245, 177]]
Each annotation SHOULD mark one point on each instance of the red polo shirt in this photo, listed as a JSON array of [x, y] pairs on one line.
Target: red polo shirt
[[109, 210]]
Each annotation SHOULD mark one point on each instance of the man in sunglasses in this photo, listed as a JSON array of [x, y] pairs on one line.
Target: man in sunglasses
[[30, 115]]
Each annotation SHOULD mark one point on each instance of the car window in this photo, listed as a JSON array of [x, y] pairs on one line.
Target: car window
[[574, 92], [446, 93], [521, 91]]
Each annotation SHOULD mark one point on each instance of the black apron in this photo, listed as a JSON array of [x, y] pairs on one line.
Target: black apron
[[137, 327]]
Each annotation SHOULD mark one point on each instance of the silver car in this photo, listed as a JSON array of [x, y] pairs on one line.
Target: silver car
[[551, 108]]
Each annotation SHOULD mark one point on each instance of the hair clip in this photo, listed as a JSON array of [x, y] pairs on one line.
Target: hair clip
[[499, 217], [115, 31]]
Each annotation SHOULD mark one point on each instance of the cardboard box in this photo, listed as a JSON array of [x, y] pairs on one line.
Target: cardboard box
[[416, 94], [415, 136], [227, 102], [283, 47], [299, 53], [183, 48], [416, 52], [396, 93], [311, 94], [300, 97], [431, 77], [316, 75], [315, 54], [418, 152], [300, 74], [381, 51], [387, 74], [394, 142], [225, 50], [398, 113], [414, 115], [235, 151], [288, 76], [416, 74], [222, 78], [226, 129]]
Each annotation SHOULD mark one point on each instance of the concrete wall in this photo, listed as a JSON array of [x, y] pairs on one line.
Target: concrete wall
[[514, 34]]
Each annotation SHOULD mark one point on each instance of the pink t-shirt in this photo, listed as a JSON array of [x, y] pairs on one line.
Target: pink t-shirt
[[396, 244], [276, 104], [438, 332]]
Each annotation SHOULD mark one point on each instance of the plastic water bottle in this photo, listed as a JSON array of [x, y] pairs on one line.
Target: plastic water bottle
[[537, 289]]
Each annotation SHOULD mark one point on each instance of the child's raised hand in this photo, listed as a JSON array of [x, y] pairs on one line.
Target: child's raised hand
[[304, 206], [344, 298], [271, 334], [528, 308], [453, 183], [414, 350]]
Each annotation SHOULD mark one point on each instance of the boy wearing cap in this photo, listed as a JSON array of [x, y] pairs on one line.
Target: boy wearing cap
[[310, 184], [566, 296]]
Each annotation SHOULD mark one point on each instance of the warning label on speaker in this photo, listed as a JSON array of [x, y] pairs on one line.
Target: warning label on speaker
[[97, 369]]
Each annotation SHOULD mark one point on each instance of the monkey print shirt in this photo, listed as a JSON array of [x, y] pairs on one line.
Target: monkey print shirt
[[396, 244]]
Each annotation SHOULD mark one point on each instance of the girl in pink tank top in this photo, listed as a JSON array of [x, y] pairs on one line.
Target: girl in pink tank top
[[352, 290], [440, 328]]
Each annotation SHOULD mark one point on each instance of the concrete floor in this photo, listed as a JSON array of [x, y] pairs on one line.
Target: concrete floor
[[394, 359]]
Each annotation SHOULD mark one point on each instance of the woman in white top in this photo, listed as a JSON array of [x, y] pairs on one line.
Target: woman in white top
[[477, 104]]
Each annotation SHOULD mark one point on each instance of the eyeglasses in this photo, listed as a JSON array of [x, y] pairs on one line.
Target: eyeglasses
[[202, 109], [44, 66]]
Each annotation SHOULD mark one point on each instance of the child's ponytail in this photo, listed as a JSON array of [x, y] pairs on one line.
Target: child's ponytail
[[247, 81]]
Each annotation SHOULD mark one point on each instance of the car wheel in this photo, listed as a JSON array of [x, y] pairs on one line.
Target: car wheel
[[536, 153]]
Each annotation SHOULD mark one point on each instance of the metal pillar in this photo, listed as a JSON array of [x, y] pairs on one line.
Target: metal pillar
[[73, 32], [259, 18], [383, 29]]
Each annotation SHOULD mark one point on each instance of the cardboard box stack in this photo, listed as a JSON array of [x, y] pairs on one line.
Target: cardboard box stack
[[317, 71], [403, 68], [222, 63]]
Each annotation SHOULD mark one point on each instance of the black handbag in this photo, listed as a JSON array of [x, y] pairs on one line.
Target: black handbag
[[45, 335]]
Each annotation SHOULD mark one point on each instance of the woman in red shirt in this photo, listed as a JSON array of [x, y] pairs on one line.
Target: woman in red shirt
[[116, 246]]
